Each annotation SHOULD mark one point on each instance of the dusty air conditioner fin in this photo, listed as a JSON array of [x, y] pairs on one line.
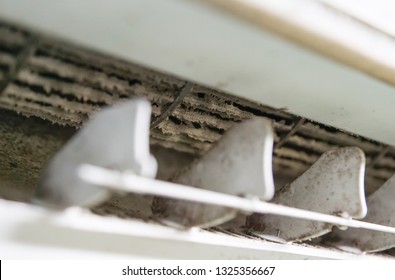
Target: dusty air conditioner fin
[[239, 164], [333, 185], [381, 210], [116, 138]]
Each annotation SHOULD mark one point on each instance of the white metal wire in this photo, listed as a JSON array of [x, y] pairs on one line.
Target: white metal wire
[[129, 182]]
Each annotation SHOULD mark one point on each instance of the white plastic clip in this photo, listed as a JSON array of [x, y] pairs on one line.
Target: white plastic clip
[[116, 138], [333, 185], [381, 210], [239, 164]]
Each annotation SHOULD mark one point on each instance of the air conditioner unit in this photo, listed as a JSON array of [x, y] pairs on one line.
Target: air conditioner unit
[[195, 130]]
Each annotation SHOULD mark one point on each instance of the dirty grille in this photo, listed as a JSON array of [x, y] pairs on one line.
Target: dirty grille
[[65, 84]]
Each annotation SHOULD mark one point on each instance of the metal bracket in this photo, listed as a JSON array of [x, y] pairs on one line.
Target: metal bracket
[[239, 164], [333, 185], [381, 210], [116, 138]]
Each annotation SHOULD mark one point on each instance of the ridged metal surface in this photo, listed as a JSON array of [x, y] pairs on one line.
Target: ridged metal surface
[[65, 84]]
